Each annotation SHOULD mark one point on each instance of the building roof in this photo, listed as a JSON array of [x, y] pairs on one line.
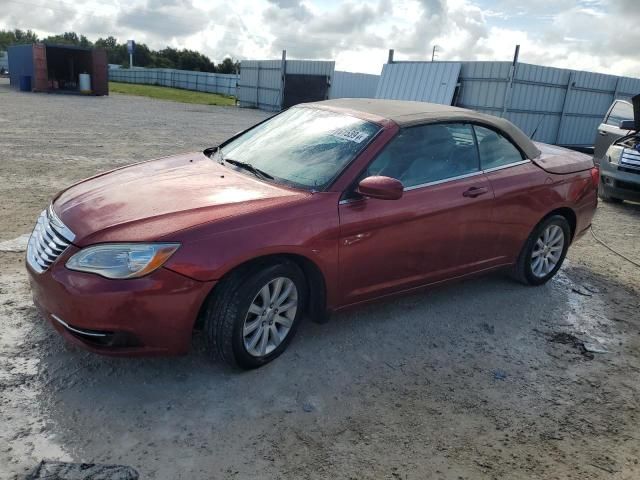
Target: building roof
[[406, 114]]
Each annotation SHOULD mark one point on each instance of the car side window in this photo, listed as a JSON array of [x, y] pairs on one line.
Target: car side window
[[495, 150], [620, 111], [428, 153]]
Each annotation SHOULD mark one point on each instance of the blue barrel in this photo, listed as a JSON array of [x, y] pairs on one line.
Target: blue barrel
[[25, 83]]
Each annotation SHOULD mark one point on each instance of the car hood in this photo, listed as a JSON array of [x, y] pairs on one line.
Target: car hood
[[151, 200]]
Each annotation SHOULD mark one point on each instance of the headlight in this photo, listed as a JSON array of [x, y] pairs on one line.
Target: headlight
[[614, 153], [122, 260]]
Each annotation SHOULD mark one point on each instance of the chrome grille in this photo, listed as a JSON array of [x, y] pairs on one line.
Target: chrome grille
[[49, 239], [630, 159]]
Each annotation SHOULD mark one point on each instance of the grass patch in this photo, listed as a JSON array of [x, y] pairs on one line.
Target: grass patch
[[171, 94]]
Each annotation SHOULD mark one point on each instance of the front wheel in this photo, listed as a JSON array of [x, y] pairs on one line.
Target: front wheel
[[544, 251], [253, 314]]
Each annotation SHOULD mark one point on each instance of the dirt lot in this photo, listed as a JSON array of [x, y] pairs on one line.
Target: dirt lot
[[478, 380]]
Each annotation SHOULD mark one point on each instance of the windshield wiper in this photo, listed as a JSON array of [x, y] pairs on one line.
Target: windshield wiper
[[250, 168]]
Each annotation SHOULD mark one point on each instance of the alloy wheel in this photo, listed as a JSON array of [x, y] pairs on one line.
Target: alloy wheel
[[547, 251], [270, 316]]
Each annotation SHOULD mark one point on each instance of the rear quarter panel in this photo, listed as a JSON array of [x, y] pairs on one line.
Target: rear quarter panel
[[525, 194]]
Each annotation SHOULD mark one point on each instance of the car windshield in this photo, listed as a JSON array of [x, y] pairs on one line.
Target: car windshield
[[304, 147]]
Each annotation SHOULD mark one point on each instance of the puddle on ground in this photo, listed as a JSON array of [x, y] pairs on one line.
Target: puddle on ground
[[586, 316]]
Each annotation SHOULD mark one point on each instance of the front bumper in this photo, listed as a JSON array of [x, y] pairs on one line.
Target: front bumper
[[619, 183], [152, 315]]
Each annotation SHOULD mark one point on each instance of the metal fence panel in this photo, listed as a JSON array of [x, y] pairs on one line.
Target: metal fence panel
[[555, 105], [561, 106], [541, 127], [353, 85], [225, 84], [260, 84], [483, 86], [425, 82], [261, 81], [628, 87], [311, 67]]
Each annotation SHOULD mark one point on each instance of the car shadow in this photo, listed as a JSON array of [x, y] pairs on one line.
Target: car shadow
[[463, 337]]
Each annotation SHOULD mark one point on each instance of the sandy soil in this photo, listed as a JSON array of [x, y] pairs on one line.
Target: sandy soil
[[484, 379]]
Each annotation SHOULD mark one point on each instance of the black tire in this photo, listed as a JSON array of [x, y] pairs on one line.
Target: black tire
[[227, 308], [523, 271], [602, 192]]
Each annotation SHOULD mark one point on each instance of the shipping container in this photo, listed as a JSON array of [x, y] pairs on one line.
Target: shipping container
[[56, 68]]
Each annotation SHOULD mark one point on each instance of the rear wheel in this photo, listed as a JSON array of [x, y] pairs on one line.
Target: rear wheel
[[544, 251], [254, 313]]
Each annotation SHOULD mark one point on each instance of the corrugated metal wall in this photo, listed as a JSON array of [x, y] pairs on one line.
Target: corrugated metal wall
[[260, 84], [198, 81], [561, 106], [311, 67], [353, 85], [433, 82]]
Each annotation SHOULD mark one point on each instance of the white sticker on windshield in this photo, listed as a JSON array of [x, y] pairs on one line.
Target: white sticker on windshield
[[350, 134]]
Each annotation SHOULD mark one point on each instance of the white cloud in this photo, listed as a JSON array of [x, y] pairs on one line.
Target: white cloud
[[598, 35]]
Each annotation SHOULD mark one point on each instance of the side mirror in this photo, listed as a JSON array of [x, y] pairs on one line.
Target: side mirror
[[382, 188], [628, 125], [210, 151]]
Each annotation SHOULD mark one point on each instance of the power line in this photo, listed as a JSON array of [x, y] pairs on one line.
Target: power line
[[633, 262]]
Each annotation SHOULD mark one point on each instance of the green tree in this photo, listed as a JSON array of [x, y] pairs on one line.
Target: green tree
[[228, 65], [17, 36], [68, 38]]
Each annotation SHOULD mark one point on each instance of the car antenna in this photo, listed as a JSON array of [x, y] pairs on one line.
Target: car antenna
[[537, 126]]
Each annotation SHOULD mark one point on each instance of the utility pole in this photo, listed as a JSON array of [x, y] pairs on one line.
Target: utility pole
[[434, 51]]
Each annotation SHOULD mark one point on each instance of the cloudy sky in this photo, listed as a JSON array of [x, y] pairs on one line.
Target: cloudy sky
[[597, 35]]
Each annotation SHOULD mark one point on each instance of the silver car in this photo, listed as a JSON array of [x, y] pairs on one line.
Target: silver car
[[609, 130], [620, 165]]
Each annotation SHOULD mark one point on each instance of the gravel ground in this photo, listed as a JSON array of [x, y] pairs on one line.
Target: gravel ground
[[484, 379]]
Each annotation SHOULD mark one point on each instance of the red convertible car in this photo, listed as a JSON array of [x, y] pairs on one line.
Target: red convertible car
[[324, 206]]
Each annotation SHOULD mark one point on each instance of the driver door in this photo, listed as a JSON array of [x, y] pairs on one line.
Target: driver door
[[439, 229]]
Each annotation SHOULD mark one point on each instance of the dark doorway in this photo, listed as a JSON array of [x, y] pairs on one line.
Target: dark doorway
[[64, 64], [304, 88]]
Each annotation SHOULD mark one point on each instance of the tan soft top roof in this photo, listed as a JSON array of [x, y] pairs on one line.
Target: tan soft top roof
[[407, 114]]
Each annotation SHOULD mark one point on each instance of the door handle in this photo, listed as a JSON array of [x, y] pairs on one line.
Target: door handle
[[474, 192], [602, 132]]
